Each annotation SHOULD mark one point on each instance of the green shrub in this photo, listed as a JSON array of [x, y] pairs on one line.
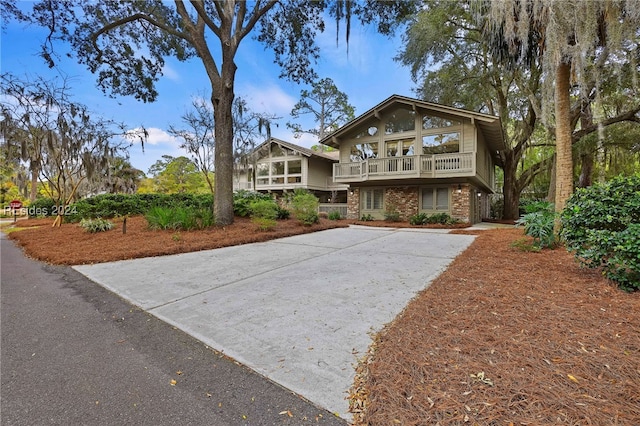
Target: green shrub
[[242, 201], [601, 225], [161, 218], [418, 219], [391, 214], [180, 218], [366, 218], [41, 207], [264, 224], [96, 225], [305, 207], [114, 205], [334, 215], [538, 223], [282, 213], [266, 209], [440, 218]]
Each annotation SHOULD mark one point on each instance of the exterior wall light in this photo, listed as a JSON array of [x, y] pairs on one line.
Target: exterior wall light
[[459, 189]]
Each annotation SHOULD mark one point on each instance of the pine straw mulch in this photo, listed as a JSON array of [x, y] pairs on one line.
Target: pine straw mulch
[[506, 337], [502, 337], [70, 244]]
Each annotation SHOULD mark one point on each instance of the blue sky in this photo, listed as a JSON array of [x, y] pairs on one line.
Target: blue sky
[[367, 74]]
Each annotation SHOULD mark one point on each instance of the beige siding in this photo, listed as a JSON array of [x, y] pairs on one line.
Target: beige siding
[[468, 136], [318, 173]]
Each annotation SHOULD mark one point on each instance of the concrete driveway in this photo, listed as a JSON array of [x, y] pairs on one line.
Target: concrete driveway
[[298, 310]]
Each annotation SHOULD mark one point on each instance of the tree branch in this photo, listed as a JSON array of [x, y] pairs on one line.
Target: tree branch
[[202, 14], [627, 116]]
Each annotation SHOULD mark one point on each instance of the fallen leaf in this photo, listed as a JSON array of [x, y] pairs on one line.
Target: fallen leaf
[[572, 378], [173, 382], [179, 373]]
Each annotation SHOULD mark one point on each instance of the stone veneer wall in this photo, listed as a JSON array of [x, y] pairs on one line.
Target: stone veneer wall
[[406, 200], [461, 203], [403, 199], [353, 203]]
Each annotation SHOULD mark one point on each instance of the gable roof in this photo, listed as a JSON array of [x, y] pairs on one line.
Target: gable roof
[[296, 148], [489, 124]]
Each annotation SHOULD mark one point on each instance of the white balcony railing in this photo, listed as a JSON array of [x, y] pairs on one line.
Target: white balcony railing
[[438, 165]]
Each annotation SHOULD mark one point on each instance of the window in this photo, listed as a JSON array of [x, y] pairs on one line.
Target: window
[[435, 199], [279, 172], [362, 151], [397, 148], [430, 122], [294, 167], [370, 131], [441, 143], [403, 120], [372, 199], [277, 168], [263, 169]]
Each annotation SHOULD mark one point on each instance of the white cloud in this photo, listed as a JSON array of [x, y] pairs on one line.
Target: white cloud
[[270, 99], [156, 137], [157, 144], [170, 73]]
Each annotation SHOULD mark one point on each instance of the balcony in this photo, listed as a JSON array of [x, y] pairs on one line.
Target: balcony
[[415, 166]]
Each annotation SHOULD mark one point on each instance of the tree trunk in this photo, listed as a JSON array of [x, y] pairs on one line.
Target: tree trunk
[[510, 192], [564, 159], [222, 99], [33, 191], [586, 173], [551, 193]]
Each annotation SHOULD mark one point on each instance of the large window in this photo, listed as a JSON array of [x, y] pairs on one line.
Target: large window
[[368, 132], [362, 151], [435, 199], [402, 120], [279, 172], [441, 143], [372, 199], [431, 122], [397, 148]]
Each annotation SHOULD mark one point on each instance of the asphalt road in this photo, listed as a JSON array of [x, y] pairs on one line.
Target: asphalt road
[[73, 353]]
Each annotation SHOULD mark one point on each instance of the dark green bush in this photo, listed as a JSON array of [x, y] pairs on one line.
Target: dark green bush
[[538, 223], [391, 214], [440, 218], [366, 218], [282, 213], [305, 207], [41, 207], [437, 218], [265, 209], [334, 215], [114, 205], [419, 219], [179, 218], [601, 225], [242, 201]]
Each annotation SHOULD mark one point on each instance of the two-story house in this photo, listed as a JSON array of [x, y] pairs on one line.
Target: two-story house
[[411, 156], [277, 166]]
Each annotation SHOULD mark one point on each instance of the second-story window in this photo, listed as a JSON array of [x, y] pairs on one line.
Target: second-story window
[[441, 143], [402, 120], [363, 151]]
